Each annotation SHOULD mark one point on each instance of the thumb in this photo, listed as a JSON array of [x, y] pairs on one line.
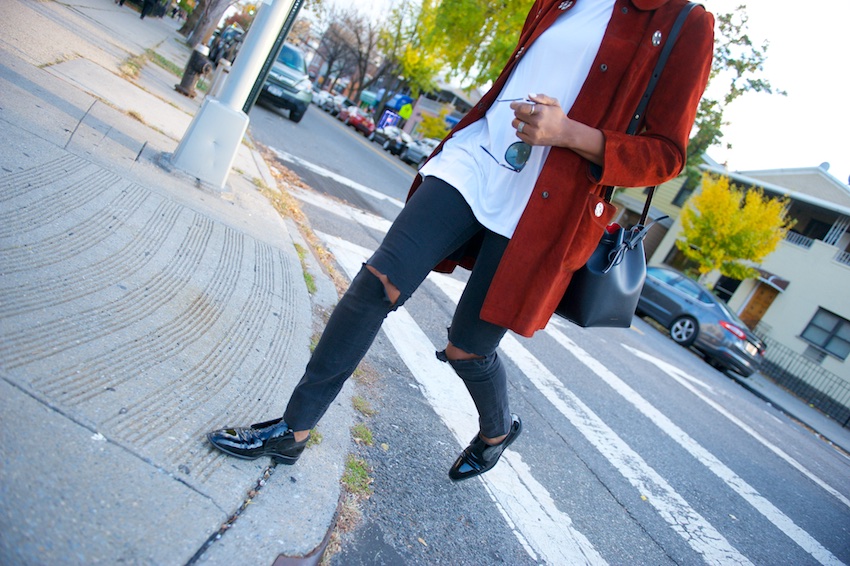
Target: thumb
[[543, 99]]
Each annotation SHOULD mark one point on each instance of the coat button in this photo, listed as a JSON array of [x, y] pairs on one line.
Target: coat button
[[545, 194], [599, 209], [624, 9], [603, 67], [519, 53]]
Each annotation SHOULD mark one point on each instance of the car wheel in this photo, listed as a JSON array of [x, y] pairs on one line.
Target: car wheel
[[347, 121], [386, 145], [684, 330], [372, 136], [295, 116]]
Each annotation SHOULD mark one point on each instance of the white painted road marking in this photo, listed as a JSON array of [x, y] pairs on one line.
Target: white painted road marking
[[543, 530], [702, 536], [319, 170], [682, 518]]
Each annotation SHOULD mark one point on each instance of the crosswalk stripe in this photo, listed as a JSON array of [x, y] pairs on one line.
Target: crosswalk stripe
[[319, 170], [738, 485], [682, 518], [705, 536], [543, 530]]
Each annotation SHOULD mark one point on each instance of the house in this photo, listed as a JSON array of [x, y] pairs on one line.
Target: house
[[800, 303], [455, 102]]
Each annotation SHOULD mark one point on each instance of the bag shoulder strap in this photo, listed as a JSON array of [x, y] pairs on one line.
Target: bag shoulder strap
[[650, 87]]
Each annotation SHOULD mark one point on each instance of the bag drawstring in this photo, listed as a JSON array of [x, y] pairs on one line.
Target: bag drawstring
[[615, 256]]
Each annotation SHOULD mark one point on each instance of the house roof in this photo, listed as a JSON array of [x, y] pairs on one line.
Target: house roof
[[813, 181], [813, 185]]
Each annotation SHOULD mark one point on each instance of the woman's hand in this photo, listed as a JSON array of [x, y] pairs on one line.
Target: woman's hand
[[542, 122]]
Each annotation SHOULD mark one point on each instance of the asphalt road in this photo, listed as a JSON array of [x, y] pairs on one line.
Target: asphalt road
[[634, 450]]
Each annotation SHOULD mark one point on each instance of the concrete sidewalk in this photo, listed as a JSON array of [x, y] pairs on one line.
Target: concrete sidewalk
[[137, 311]]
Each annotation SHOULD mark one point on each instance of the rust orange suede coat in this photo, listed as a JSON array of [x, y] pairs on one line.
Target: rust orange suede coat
[[560, 226]]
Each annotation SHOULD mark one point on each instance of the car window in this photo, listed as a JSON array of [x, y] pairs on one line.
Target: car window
[[731, 315], [663, 275], [292, 59], [688, 287]]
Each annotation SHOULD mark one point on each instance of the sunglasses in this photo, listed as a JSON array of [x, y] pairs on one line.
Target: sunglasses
[[516, 156], [517, 153]]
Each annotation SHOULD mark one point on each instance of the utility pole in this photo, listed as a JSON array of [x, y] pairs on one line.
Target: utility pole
[[209, 145]]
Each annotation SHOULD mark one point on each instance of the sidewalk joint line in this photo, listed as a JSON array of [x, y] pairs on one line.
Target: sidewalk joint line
[[81, 120]]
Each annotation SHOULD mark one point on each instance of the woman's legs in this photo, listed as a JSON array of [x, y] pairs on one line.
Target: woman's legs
[[471, 350], [434, 223]]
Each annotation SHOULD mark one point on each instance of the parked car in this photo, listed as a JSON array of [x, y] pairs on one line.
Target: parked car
[[391, 138], [357, 119], [418, 151], [337, 103], [288, 85], [225, 43], [696, 317], [321, 97]]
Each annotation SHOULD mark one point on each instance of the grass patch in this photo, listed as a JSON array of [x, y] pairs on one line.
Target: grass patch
[[314, 341], [356, 478], [362, 435], [315, 438], [132, 66], [308, 277], [347, 519], [362, 406], [287, 207], [161, 61]]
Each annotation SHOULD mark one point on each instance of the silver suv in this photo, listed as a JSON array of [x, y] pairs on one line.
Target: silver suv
[[288, 85]]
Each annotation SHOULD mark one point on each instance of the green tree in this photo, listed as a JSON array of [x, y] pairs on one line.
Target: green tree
[[724, 227], [476, 37]]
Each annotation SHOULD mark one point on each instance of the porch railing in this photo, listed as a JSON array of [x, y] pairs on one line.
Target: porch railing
[[799, 239]]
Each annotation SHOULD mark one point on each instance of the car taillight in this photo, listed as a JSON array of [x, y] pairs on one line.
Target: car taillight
[[733, 329]]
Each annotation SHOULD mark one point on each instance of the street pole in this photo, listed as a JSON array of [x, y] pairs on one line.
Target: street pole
[[212, 140], [272, 57]]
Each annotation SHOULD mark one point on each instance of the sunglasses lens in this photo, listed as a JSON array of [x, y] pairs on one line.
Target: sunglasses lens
[[517, 154]]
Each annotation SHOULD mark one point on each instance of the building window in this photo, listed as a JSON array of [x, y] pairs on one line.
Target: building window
[[830, 333], [685, 192]]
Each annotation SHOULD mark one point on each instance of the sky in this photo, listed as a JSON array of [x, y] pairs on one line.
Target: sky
[[809, 58]]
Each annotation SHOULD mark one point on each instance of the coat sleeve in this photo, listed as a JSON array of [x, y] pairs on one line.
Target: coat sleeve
[[659, 152]]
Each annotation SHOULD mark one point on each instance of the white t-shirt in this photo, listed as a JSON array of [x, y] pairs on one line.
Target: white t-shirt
[[556, 64]]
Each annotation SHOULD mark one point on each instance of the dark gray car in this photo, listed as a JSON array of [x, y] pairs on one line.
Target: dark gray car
[[288, 85], [696, 317]]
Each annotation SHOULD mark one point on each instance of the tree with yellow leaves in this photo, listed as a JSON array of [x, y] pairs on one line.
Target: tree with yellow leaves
[[727, 228], [433, 126]]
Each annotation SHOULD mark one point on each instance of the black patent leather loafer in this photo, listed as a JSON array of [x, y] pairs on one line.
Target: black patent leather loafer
[[270, 438], [480, 457]]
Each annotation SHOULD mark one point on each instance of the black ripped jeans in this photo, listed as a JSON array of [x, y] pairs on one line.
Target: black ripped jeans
[[434, 223]]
